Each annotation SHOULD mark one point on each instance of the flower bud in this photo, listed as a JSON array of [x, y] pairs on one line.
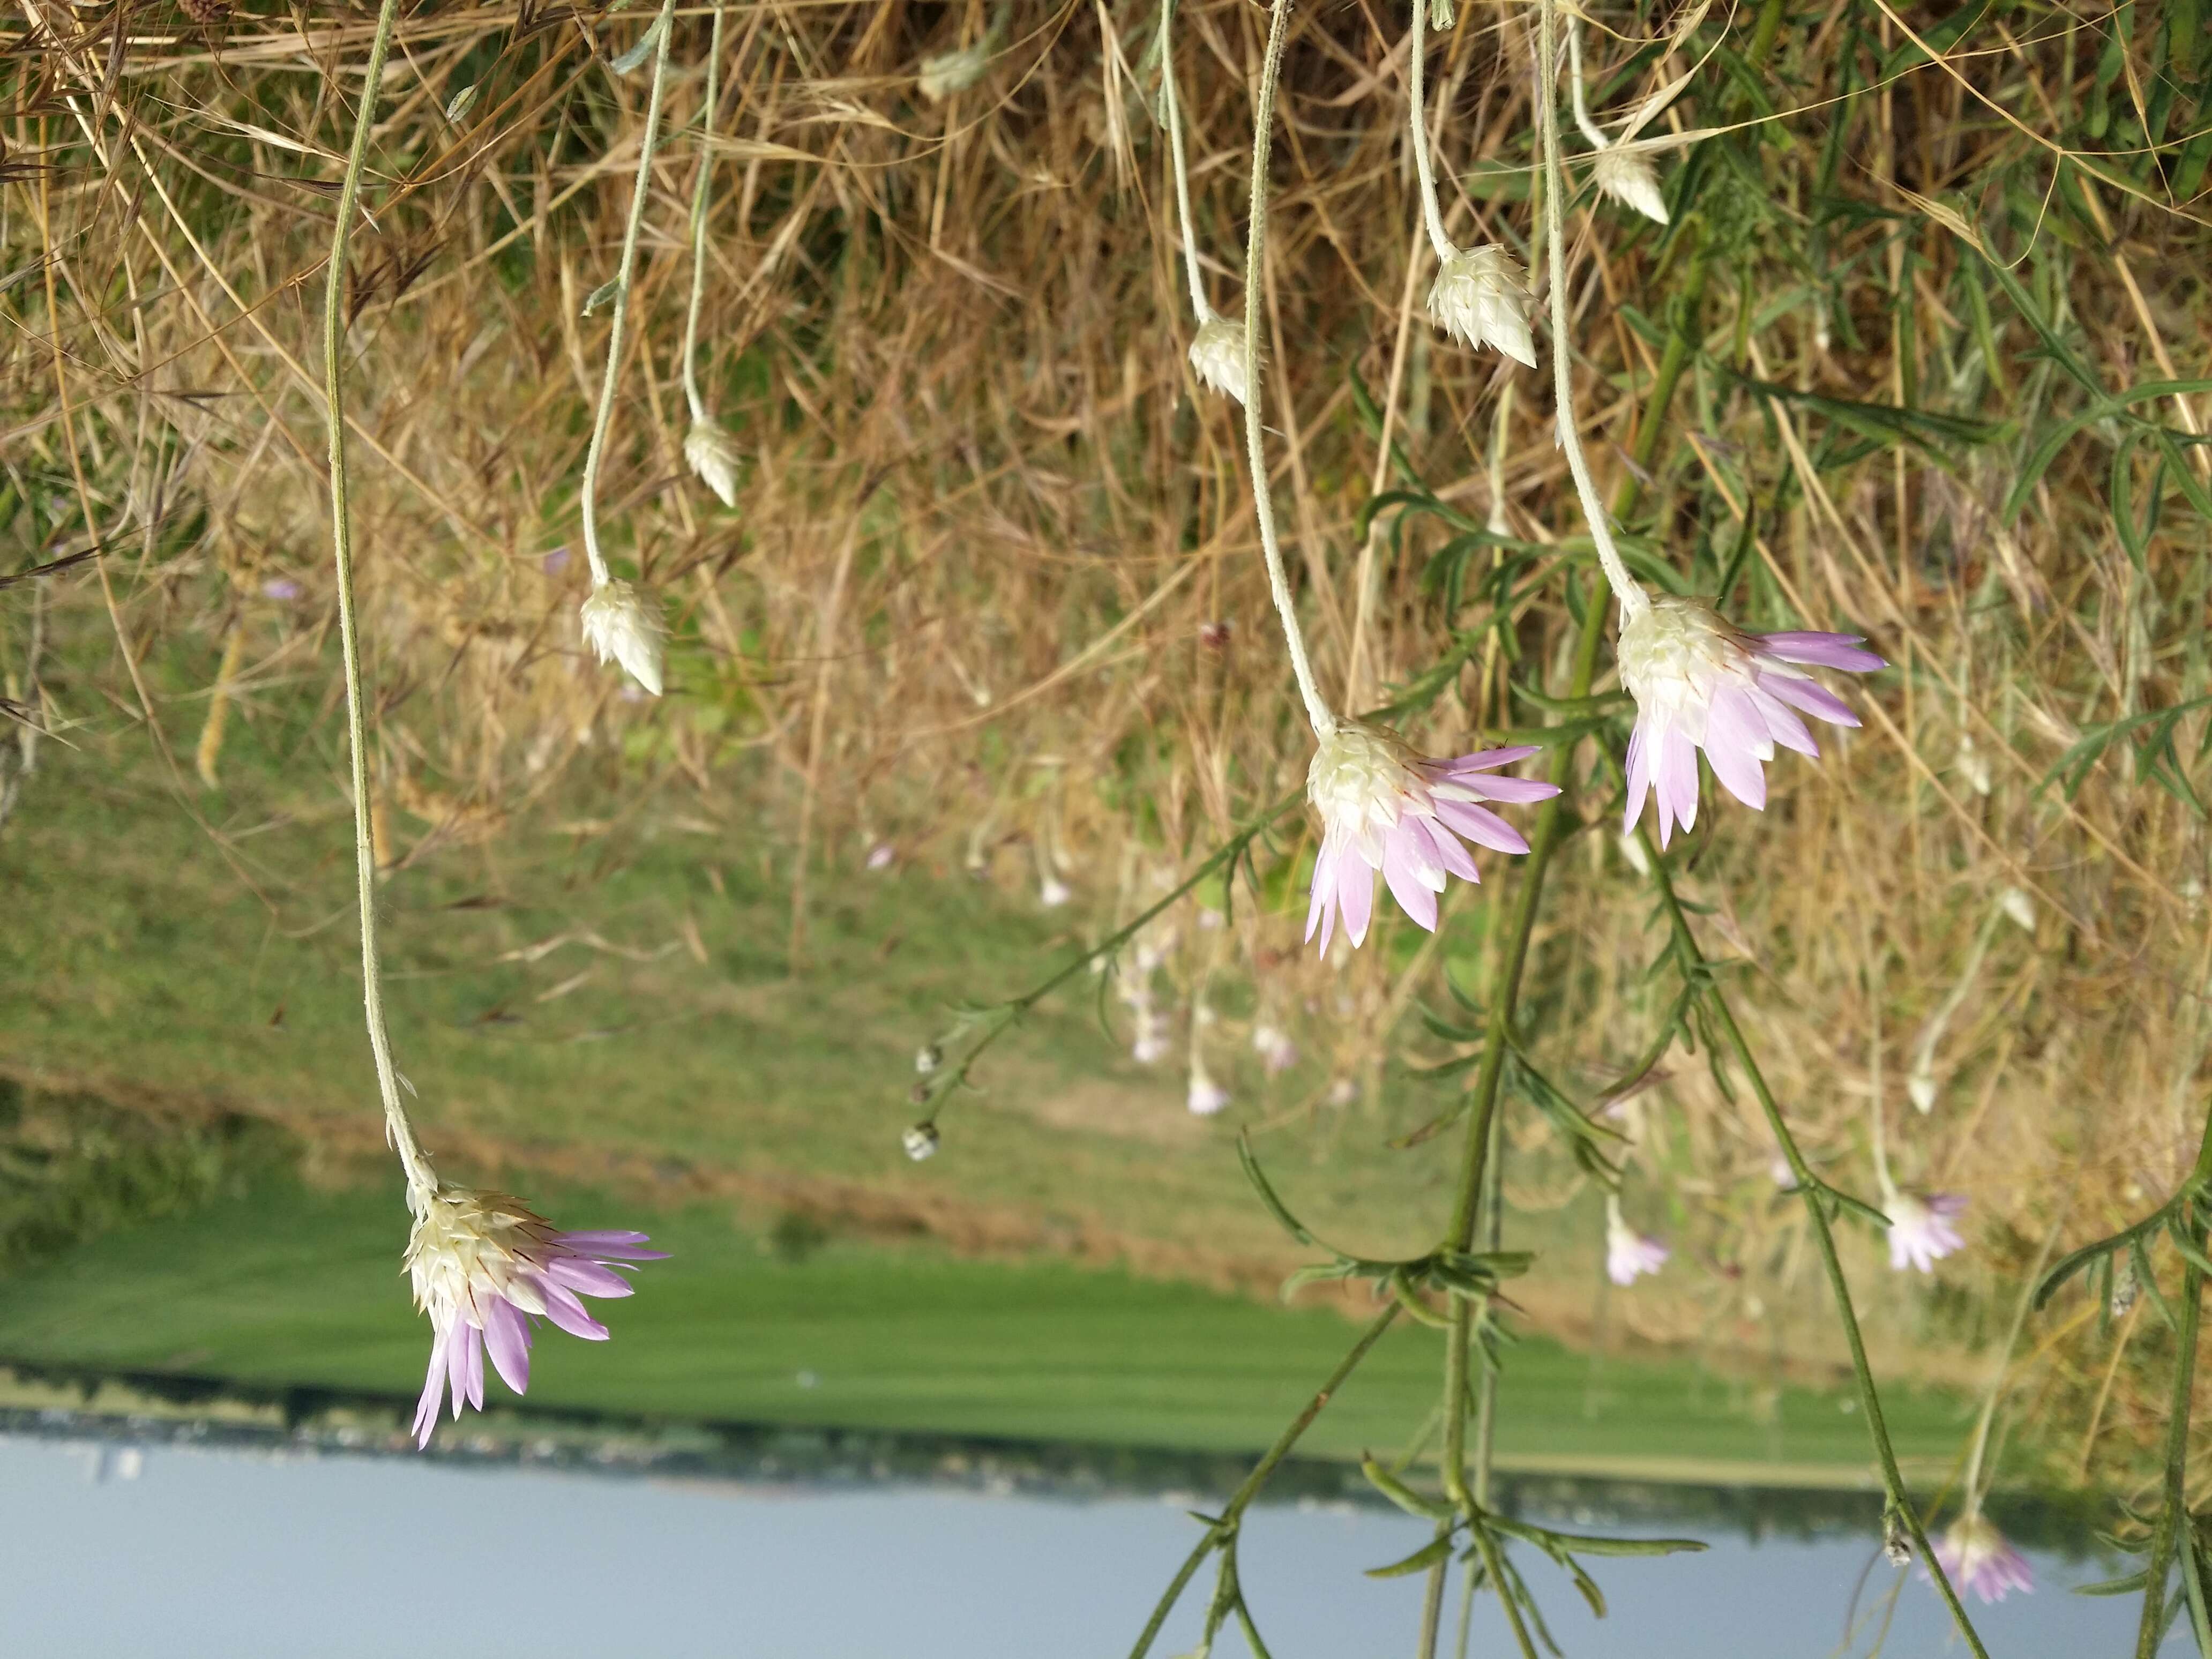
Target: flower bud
[[620, 628], [949, 72], [1629, 177], [712, 454], [2019, 906], [1481, 297], [919, 1141], [927, 1060], [1217, 357]]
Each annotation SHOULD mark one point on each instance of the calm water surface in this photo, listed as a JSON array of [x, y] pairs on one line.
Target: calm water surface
[[175, 1552]]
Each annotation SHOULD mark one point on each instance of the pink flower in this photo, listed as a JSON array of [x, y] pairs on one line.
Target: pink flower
[[1630, 1254], [1383, 807], [1920, 1229], [1977, 1558], [1699, 683], [484, 1267]]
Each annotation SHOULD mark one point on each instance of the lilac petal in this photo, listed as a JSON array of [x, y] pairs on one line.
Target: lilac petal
[[507, 1334], [1640, 775], [562, 1308], [472, 1353], [1324, 884], [434, 1390], [457, 1365], [1355, 895], [1481, 826], [1519, 792], [611, 1246], [1401, 872], [1782, 725], [1732, 746], [1487, 759], [589, 1277], [1820, 651], [1813, 698], [1677, 778], [1444, 848]]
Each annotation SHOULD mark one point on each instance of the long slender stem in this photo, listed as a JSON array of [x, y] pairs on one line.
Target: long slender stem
[[1225, 1527], [1171, 107], [1263, 135], [1488, 1547], [699, 192], [1811, 1191], [422, 1182], [1633, 602], [2175, 1515], [1591, 131], [1431, 210], [618, 324]]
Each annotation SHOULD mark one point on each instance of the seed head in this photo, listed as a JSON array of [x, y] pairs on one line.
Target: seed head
[[1629, 177], [1481, 297], [1217, 357]]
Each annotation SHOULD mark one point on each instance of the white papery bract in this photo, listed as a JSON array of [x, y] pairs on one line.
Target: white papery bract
[[1701, 683], [483, 1266], [1385, 808], [712, 454], [1217, 357], [1481, 297], [620, 626], [1629, 177]]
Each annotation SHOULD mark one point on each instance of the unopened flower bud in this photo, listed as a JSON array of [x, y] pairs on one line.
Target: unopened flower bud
[[712, 454], [1629, 177], [619, 627], [1052, 892], [1894, 1543], [1206, 1097], [1217, 357], [1921, 1087], [1481, 298], [2019, 906], [2125, 1286], [927, 1060], [919, 1141]]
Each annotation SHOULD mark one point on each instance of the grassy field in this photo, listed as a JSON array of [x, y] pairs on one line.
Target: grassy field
[[298, 1287]]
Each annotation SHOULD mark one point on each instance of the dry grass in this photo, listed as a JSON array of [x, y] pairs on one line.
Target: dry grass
[[989, 525]]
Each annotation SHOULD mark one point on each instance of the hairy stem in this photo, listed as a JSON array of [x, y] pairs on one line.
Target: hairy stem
[[1431, 210], [2175, 1515], [1225, 1528], [618, 324], [1263, 143], [699, 222], [1171, 109], [1633, 602], [421, 1181]]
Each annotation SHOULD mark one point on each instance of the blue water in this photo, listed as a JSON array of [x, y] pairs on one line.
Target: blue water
[[176, 1553]]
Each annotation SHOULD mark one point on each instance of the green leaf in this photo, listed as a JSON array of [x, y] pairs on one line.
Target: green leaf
[[1420, 1561], [1276, 1207], [1413, 1502], [1888, 424], [602, 294], [2127, 1586], [637, 54]]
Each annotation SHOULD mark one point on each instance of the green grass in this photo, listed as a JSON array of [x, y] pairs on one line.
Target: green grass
[[295, 1286]]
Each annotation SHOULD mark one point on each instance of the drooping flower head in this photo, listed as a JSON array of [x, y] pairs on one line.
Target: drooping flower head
[[1052, 892], [1700, 682], [483, 1268], [1629, 177], [1206, 1097], [1278, 1053], [1629, 1255], [1383, 807], [1976, 1557], [1481, 298], [949, 72], [620, 626], [1920, 1229], [713, 456], [1217, 357]]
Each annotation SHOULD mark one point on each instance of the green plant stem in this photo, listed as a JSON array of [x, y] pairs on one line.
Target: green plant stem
[[618, 324], [699, 190], [1810, 1189], [1225, 1528], [421, 1181], [2175, 1515], [1488, 1547]]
